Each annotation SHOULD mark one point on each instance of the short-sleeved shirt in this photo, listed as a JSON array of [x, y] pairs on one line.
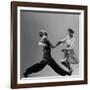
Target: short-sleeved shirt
[[69, 41]]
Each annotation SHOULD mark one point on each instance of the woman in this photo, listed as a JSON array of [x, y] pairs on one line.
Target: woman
[[69, 52]]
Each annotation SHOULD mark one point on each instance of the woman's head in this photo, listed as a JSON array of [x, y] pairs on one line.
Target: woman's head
[[70, 32]]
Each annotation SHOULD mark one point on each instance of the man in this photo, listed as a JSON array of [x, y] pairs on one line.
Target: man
[[69, 53], [47, 58]]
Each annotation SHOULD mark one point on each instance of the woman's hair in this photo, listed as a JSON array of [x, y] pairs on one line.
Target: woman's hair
[[71, 31]]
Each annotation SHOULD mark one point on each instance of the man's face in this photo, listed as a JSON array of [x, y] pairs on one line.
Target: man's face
[[44, 36]]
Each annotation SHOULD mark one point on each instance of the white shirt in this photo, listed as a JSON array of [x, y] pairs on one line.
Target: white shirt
[[69, 41]]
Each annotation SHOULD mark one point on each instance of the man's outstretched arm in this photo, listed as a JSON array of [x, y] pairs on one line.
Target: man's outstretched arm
[[59, 43], [52, 46]]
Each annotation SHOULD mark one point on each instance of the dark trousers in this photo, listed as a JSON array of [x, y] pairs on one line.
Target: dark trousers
[[48, 61]]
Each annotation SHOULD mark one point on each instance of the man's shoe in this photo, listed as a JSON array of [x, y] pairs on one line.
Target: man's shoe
[[69, 73], [25, 75]]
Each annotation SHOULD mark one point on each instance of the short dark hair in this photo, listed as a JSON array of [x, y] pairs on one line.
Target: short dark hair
[[71, 31]]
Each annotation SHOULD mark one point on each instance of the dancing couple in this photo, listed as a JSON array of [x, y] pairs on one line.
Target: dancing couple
[[47, 58]]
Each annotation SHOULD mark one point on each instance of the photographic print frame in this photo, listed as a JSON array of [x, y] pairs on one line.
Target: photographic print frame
[[15, 26]]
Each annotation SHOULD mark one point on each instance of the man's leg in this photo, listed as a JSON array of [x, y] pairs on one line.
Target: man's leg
[[35, 68], [57, 68]]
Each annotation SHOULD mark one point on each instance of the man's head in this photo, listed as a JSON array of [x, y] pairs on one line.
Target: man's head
[[43, 34], [70, 32]]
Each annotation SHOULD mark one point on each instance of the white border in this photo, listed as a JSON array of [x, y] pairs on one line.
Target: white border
[[81, 50]]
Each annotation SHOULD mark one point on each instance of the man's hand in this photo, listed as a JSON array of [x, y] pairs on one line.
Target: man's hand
[[41, 44]]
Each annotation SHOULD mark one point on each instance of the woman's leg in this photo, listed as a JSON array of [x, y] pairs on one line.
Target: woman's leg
[[74, 57], [67, 60]]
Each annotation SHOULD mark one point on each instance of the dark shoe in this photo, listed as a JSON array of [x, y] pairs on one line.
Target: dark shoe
[[25, 75], [64, 63], [69, 73]]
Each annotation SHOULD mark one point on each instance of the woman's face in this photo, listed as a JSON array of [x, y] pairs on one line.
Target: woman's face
[[70, 34]]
